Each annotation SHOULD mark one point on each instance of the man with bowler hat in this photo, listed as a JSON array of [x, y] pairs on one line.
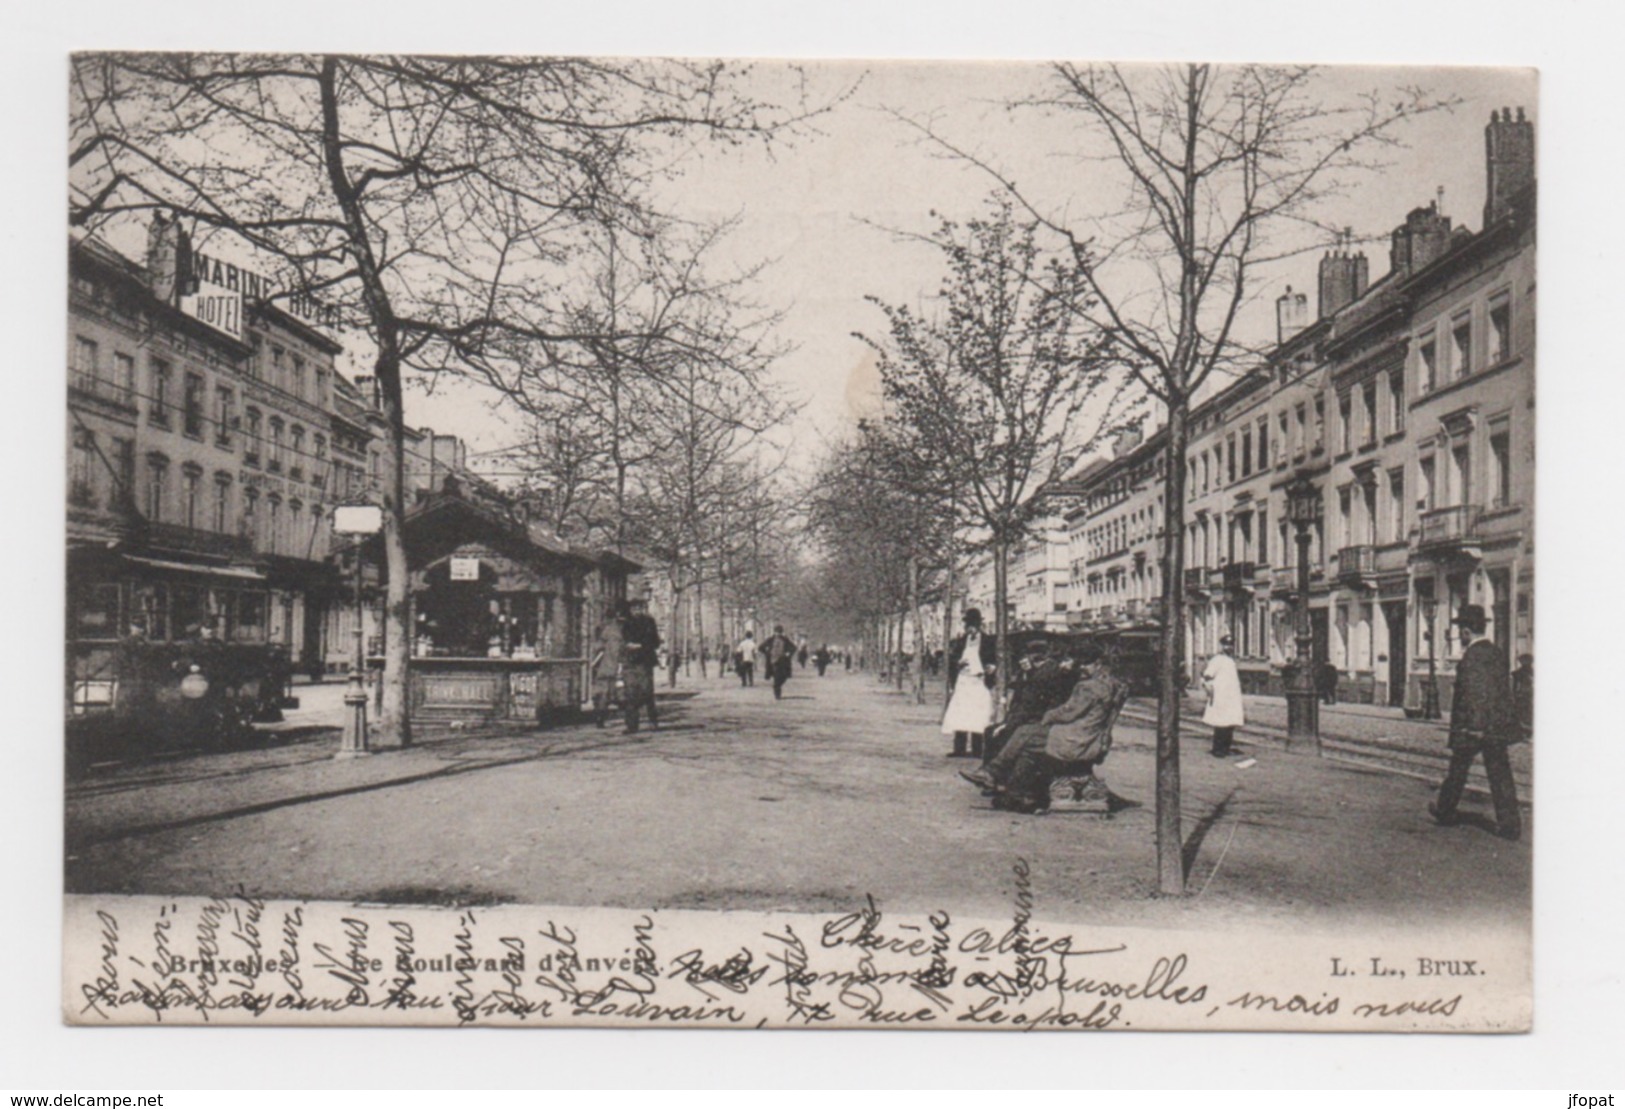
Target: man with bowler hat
[[1483, 720]]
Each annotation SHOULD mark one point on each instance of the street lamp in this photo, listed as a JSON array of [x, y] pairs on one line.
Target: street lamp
[[359, 521], [1430, 688], [1303, 707]]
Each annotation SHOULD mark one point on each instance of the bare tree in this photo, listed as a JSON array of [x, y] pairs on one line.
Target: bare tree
[[1008, 386], [1220, 167], [436, 204]]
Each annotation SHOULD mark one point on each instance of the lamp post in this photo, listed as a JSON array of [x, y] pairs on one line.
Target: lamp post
[[1303, 706], [1430, 688], [359, 521]]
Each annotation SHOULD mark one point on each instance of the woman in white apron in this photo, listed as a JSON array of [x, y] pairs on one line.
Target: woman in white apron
[[970, 709]]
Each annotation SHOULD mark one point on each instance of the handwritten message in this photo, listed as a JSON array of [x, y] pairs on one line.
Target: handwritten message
[[239, 960]]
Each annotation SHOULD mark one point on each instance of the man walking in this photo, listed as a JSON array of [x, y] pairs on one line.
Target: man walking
[[780, 652], [745, 659], [1483, 720], [1224, 712]]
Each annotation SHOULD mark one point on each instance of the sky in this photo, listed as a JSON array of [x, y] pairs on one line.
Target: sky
[[833, 213]]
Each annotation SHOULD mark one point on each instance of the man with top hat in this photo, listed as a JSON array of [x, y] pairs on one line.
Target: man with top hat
[[1483, 720], [972, 657]]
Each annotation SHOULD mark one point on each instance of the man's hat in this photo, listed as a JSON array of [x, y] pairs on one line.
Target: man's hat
[[973, 616], [1472, 618], [1227, 641]]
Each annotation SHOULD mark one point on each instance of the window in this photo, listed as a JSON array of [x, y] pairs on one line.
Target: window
[[1230, 460], [1263, 442], [82, 468], [224, 406], [1282, 442], [297, 383], [296, 527], [1500, 466], [1300, 433], [1500, 336], [86, 364], [296, 466], [251, 523], [222, 503], [1427, 365], [1320, 423], [124, 472], [1345, 533], [158, 412], [1461, 346], [124, 378], [191, 480], [1396, 402], [1426, 478], [1345, 418], [192, 410], [318, 468], [1263, 535], [278, 374], [1368, 396], [273, 524], [1368, 513], [1396, 505], [274, 460], [157, 486], [321, 387], [256, 356], [1461, 479], [1246, 453]]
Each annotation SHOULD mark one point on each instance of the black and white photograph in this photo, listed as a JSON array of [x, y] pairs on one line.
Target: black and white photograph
[[634, 541]]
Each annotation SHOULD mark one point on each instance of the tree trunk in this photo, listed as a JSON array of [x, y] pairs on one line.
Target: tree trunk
[[394, 716], [699, 623], [1001, 623], [1170, 846], [948, 621], [919, 631]]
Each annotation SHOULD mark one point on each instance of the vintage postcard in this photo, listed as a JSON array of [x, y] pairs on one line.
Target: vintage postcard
[[643, 542]]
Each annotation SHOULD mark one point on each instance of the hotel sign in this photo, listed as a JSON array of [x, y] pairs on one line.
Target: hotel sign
[[217, 306], [235, 280]]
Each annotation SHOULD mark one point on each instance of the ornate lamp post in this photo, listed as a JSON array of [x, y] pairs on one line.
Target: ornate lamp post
[[1430, 688], [1303, 706], [359, 521]]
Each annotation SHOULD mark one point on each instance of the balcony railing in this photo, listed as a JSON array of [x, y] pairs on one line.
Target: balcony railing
[[1357, 561], [1196, 579], [176, 537], [1134, 610], [1283, 579], [101, 388], [1457, 524], [1239, 575]]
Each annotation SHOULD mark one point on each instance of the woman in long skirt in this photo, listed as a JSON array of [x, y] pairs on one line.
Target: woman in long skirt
[[970, 708]]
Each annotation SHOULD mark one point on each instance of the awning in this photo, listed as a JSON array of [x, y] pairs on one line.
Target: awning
[[241, 573]]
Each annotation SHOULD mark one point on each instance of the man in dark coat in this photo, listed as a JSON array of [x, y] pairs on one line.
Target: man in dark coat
[[1043, 680], [639, 652], [1068, 740], [1483, 720], [779, 651], [988, 655]]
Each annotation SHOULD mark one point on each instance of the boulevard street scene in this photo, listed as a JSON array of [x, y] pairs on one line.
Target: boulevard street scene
[[806, 490]]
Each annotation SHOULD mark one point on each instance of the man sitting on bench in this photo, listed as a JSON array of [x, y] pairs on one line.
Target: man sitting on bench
[[1059, 753]]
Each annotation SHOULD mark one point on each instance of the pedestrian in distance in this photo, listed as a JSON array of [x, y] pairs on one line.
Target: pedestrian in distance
[[1224, 712], [639, 654], [972, 658], [821, 659], [801, 655], [1326, 679], [745, 659], [1523, 694], [779, 652], [1483, 721]]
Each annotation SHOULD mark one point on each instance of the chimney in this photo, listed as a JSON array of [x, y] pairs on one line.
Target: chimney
[[1509, 162], [1343, 277], [169, 258], [1291, 314], [1424, 236], [1127, 440]]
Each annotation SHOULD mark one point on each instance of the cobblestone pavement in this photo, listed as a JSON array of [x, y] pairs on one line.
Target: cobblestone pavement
[[839, 792]]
